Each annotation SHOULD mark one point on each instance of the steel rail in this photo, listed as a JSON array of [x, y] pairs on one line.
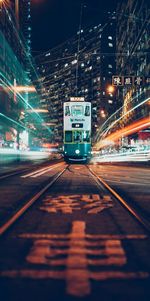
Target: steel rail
[[128, 207], [30, 202]]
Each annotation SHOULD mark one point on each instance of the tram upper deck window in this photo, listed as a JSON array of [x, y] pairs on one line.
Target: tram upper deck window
[[77, 110], [67, 111], [87, 111], [68, 136]]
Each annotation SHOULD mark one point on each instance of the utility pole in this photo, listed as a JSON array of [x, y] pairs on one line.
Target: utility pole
[[78, 48], [17, 12]]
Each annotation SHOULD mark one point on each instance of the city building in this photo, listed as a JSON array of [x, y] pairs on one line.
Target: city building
[[14, 70], [82, 66], [133, 58]]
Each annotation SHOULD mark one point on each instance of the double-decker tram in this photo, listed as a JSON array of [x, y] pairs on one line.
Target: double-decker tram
[[77, 131]]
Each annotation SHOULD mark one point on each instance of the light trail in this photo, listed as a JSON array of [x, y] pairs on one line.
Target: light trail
[[9, 86], [122, 116], [128, 130], [136, 156]]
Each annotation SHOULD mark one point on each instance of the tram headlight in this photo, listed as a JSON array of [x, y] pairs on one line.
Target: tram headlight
[[77, 151]]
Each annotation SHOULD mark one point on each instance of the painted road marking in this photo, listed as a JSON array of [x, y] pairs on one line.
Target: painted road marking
[[69, 257], [41, 171], [93, 203]]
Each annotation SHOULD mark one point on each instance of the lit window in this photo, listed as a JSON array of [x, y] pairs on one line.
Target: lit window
[[110, 38], [74, 62], [109, 66], [110, 101], [110, 44]]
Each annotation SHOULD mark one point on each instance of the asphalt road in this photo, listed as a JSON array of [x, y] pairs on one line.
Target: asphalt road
[[77, 242], [131, 182]]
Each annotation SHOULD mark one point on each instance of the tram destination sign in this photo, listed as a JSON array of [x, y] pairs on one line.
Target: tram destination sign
[[76, 98]]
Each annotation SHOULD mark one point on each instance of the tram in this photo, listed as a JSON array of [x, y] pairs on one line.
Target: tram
[[77, 131]]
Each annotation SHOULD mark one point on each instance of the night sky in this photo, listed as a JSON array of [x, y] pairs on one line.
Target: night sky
[[54, 21]]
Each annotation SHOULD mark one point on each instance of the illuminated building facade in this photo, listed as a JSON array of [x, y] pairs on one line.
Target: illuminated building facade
[[13, 73], [133, 57], [67, 72]]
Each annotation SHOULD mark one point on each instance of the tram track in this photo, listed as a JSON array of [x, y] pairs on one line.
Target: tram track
[[99, 181], [74, 228], [10, 222], [141, 219]]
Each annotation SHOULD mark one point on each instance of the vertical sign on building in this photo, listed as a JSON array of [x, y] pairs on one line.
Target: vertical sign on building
[[117, 80]]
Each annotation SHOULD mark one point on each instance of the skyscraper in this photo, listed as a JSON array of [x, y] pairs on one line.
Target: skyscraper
[[14, 64], [82, 66], [133, 57]]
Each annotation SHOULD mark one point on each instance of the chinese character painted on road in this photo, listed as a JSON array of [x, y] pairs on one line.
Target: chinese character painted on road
[[93, 203], [77, 258], [74, 252]]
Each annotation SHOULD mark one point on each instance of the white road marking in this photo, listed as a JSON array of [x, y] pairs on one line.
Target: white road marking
[[39, 172]]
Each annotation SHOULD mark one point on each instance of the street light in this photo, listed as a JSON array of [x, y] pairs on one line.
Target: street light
[[5, 2], [110, 89]]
